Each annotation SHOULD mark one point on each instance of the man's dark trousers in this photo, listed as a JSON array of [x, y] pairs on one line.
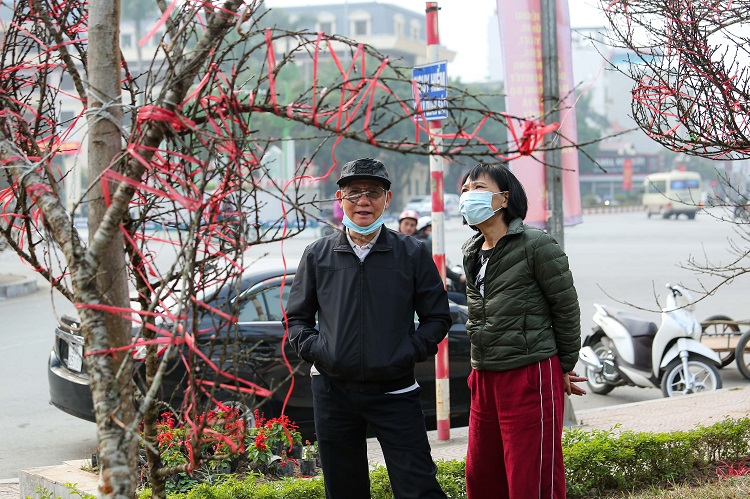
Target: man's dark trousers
[[341, 418]]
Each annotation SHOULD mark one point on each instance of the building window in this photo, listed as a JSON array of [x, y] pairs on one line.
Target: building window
[[325, 27], [156, 40], [398, 25], [326, 23], [415, 29], [359, 23], [360, 28], [126, 41]]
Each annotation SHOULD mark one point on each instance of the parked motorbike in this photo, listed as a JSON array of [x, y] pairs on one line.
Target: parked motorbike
[[626, 350]]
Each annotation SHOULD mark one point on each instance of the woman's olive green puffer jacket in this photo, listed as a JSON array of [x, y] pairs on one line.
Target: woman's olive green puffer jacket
[[530, 310]]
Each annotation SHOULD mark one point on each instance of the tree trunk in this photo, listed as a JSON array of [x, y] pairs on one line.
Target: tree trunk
[[113, 400]]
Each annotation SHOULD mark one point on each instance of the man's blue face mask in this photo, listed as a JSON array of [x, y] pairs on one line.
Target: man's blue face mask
[[363, 230]]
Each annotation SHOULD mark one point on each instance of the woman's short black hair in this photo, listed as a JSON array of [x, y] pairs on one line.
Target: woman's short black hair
[[518, 204]]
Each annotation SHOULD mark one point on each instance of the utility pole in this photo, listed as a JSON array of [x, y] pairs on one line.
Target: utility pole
[[442, 377], [551, 100], [553, 153]]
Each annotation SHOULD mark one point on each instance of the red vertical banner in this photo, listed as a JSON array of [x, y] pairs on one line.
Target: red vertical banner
[[627, 174], [572, 211], [521, 43]]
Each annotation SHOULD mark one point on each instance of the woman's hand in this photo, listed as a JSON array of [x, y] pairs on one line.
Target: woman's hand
[[572, 389]]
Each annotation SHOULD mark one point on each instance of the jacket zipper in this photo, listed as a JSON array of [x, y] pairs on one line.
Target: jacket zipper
[[348, 249], [484, 299], [361, 318]]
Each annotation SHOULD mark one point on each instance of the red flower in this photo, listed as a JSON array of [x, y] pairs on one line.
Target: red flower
[[260, 441], [168, 419], [259, 419], [165, 437]]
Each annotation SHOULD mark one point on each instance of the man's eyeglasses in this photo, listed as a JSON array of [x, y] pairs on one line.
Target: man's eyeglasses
[[354, 195]]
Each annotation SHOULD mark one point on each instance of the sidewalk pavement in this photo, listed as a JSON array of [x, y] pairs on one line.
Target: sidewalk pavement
[[9, 489], [16, 277], [658, 416], [12, 285]]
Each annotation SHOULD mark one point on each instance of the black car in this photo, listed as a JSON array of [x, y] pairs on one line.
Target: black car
[[250, 350]]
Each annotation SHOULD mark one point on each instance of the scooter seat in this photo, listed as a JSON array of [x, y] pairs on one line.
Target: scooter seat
[[635, 325]]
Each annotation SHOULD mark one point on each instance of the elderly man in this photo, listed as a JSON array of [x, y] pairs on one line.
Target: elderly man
[[365, 285]]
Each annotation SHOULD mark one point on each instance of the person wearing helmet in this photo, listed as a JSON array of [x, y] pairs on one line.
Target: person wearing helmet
[[407, 222], [424, 228]]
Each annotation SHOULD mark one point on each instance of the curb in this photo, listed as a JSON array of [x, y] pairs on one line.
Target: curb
[[613, 209], [9, 489], [66, 481], [16, 285]]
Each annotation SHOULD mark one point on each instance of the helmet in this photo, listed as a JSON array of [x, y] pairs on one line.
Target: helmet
[[424, 222], [408, 214]]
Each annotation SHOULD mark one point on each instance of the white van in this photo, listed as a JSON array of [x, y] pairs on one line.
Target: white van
[[672, 193]]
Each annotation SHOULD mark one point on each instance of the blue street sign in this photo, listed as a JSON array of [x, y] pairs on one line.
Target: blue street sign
[[431, 87]]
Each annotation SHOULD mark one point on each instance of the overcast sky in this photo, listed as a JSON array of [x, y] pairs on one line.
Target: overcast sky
[[463, 27]]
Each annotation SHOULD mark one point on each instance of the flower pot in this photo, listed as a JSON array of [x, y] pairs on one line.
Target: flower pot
[[284, 469], [307, 467]]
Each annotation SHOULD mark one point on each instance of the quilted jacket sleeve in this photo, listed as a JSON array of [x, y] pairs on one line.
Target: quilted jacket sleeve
[[556, 281]]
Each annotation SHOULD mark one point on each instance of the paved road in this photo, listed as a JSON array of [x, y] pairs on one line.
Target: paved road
[[616, 257], [33, 433], [628, 258]]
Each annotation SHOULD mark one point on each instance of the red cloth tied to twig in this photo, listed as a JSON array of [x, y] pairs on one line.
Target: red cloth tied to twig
[[532, 135]]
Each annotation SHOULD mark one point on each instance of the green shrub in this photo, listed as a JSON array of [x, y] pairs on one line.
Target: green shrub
[[596, 462], [451, 476]]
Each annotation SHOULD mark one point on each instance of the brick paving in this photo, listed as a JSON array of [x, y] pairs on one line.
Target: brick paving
[[9, 489]]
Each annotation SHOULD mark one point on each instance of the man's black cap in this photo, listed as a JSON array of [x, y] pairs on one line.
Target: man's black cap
[[364, 169]]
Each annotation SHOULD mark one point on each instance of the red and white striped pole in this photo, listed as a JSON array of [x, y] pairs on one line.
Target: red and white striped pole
[[442, 378]]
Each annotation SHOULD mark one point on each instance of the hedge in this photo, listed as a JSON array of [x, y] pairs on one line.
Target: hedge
[[596, 462]]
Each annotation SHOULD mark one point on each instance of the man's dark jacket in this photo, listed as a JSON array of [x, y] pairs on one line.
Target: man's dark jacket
[[366, 332]]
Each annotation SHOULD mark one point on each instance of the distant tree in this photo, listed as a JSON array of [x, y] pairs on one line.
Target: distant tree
[[592, 126], [691, 89]]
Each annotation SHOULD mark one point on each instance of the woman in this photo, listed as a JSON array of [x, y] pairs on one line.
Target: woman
[[524, 327]]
